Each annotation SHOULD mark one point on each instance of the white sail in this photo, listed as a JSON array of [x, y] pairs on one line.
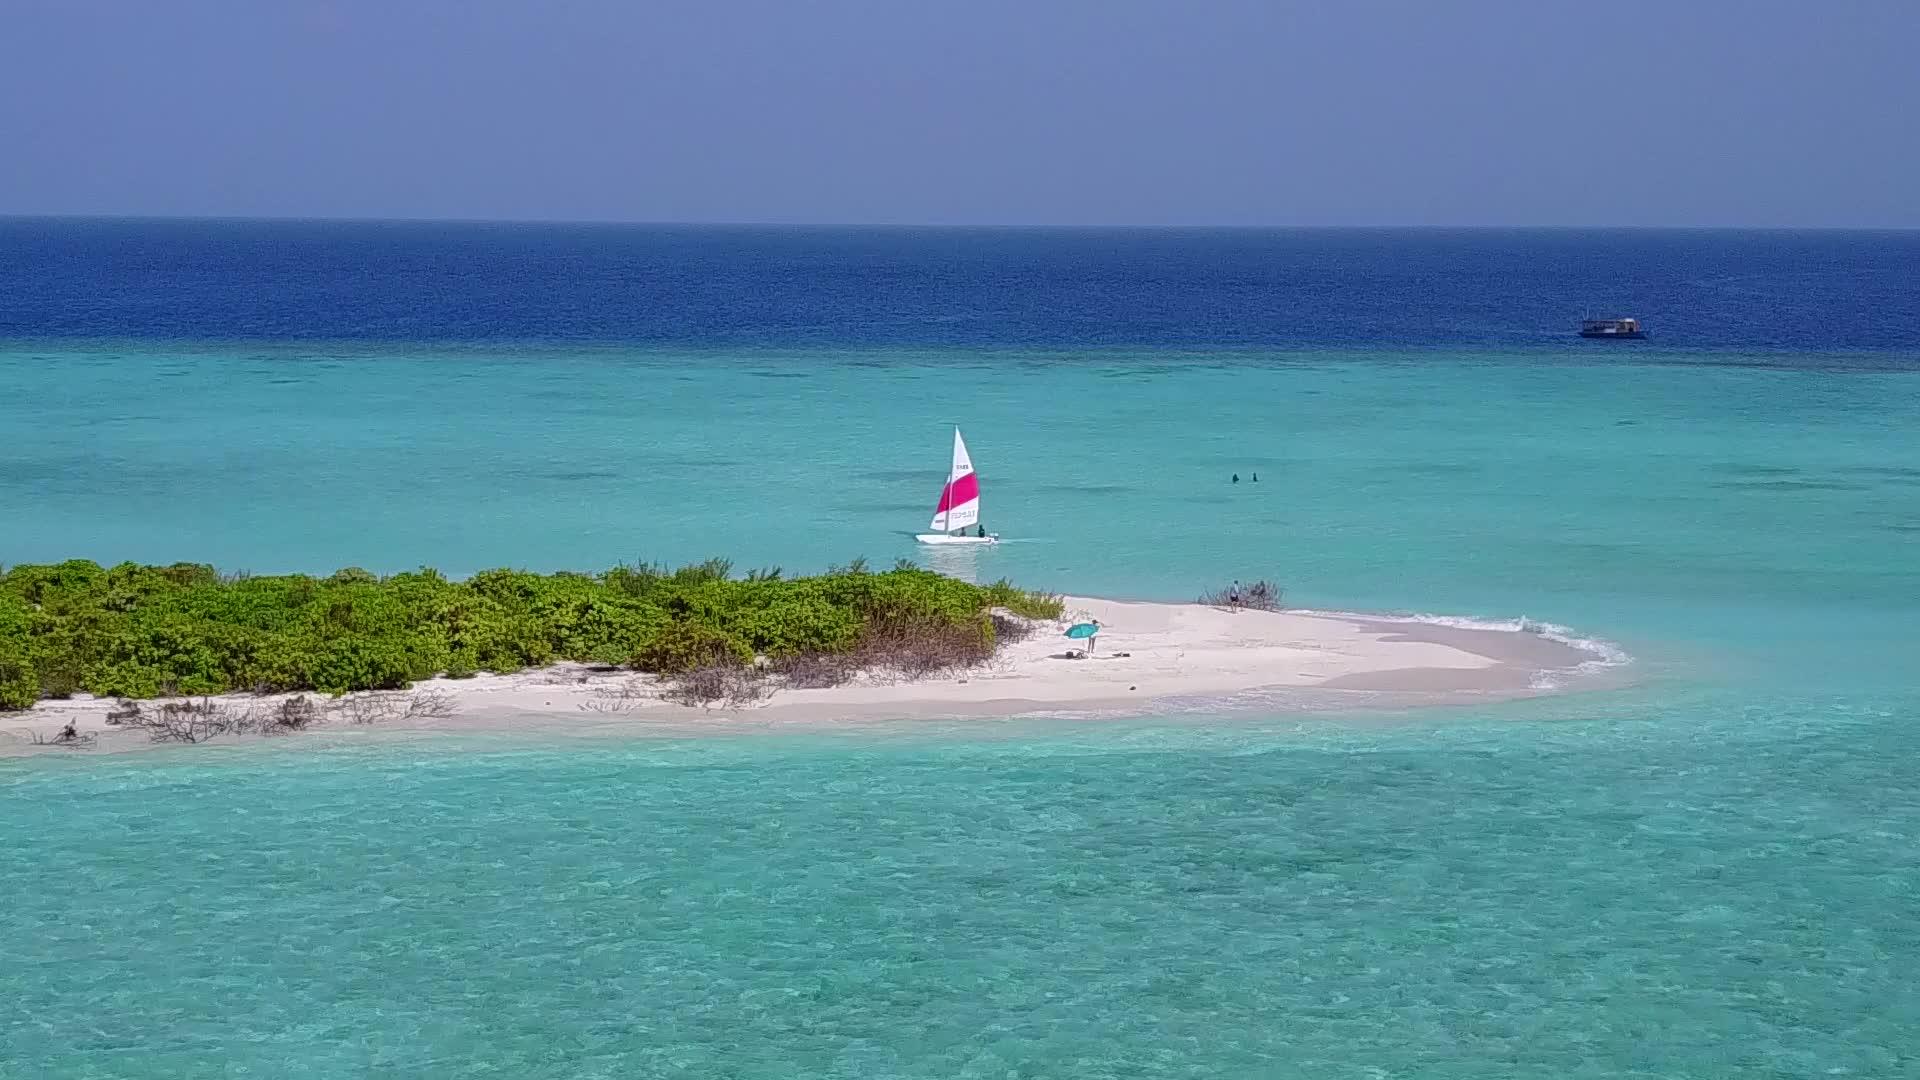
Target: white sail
[[959, 505]]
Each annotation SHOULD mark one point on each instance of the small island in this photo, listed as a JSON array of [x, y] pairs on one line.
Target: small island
[[85, 650]]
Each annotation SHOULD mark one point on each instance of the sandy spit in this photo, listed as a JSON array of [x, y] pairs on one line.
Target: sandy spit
[[1150, 657]]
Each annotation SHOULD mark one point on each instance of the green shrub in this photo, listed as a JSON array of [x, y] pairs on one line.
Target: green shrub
[[801, 625], [684, 646], [1030, 605], [361, 662], [143, 631], [638, 581], [55, 586], [19, 682]]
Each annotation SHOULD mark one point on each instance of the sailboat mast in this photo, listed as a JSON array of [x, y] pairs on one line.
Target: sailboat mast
[[953, 473]]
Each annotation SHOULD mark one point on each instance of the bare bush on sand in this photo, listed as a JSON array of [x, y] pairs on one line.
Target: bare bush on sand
[[815, 671], [1261, 595], [189, 720], [734, 686], [381, 706], [621, 698], [69, 737]]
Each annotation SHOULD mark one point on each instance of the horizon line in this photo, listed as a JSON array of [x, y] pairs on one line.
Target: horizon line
[[936, 225]]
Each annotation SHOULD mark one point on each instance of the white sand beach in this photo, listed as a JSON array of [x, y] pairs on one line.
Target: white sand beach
[[1150, 657]]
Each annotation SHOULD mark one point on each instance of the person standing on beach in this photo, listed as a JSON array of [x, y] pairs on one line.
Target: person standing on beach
[[1233, 595]]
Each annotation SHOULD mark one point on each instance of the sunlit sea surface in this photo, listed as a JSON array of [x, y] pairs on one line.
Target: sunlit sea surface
[[1711, 872]]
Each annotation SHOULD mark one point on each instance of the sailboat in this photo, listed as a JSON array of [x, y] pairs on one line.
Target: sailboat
[[959, 508]]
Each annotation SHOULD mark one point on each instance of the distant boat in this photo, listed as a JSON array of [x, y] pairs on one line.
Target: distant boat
[[1612, 328], [959, 508]]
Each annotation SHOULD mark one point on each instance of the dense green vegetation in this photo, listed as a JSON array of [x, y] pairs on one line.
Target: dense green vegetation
[[147, 631]]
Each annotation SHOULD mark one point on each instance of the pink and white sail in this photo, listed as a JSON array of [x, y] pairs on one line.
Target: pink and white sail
[[960, 500]]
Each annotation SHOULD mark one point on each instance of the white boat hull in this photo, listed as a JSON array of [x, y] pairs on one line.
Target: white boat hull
[[942, 538]]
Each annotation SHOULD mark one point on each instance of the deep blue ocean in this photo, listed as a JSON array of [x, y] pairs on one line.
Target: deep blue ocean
[[748, 287], [1711, 871]]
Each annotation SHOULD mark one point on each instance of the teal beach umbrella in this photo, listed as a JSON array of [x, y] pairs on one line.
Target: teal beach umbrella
[[1083, 630]]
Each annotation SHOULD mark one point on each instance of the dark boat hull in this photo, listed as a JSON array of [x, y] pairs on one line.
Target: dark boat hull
[[1634, 335]]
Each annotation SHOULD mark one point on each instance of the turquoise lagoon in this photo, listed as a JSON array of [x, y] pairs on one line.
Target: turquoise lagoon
[[1710, 872]]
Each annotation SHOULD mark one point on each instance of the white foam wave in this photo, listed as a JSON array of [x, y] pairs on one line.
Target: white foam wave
[[1602, 654]]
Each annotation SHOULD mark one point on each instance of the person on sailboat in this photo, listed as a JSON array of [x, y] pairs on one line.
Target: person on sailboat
[[982, 534]]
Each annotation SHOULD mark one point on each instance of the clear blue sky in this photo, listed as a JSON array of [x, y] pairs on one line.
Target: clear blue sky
[[1682, 112]]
